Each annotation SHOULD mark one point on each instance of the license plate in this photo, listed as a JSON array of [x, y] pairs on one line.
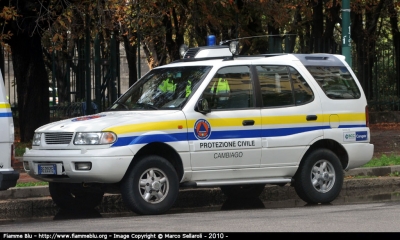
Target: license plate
[[48, 169]]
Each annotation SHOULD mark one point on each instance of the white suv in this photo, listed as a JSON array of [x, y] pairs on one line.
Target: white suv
[[236, 122]]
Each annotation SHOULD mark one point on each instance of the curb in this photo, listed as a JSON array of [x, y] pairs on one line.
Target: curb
[[25, 192], [374, 171]]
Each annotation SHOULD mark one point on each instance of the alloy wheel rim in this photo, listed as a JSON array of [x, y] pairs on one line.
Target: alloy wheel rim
[[153, 185], [323, 176]]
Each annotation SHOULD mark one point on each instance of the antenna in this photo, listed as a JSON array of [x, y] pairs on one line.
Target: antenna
[[269, 35]]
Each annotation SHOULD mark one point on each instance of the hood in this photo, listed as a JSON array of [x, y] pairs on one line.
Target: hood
[[100, 121]]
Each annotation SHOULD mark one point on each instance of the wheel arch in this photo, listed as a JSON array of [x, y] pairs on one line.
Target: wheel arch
[[332, 145], [163, 150]]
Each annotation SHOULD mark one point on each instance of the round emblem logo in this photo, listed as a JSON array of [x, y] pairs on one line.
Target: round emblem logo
[[202, 129]]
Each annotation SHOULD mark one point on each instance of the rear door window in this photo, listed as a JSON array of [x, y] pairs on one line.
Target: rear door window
[[283, 86]]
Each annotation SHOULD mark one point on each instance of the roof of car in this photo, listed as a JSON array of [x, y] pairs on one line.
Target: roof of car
[[311, 59]]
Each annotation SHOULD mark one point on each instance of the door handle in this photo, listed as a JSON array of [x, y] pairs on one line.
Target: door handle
[[248, 122], [311, 117]]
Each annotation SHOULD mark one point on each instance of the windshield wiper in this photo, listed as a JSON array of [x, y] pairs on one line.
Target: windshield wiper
[[146, 106], [125, 107]]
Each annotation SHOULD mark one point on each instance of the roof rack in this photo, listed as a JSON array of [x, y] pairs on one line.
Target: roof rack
[[274, 54], [202, 59]]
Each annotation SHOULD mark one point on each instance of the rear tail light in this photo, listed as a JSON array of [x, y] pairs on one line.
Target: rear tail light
[[366, 116]]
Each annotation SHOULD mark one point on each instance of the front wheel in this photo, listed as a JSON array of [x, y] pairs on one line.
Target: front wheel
[[71, 196], [319, 178], [151, 186]]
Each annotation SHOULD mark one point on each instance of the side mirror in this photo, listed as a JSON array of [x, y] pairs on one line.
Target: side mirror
[[202, 106]]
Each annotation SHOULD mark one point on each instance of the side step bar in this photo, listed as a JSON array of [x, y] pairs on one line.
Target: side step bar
[[216, 183]]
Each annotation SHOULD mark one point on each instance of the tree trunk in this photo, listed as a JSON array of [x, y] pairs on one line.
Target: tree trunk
[[32, 83], [2, 63], [364, 31], [131, 51], [149, 49], [253, 27], [173, 36], [317, 27], [80, 74], [332, 18], [396, 41], [63, 64]]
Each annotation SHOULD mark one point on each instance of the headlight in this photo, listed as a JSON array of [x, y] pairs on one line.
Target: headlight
[[94, 138], [36, 139]]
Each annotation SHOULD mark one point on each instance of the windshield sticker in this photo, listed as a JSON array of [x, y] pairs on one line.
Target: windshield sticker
[[202, 129], [84, 118]]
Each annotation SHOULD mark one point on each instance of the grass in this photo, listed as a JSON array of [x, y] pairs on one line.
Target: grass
[[360, 177], [394, 174], [384, 161], [32, 184]]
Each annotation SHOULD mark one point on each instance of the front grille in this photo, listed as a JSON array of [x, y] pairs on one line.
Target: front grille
[[58, 138]]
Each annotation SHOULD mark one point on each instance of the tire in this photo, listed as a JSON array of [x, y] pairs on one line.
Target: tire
[[319, 178], [242, 191], [151, 186], [71, 196]]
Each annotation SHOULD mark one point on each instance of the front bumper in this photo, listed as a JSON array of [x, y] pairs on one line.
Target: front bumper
[[108, 165]]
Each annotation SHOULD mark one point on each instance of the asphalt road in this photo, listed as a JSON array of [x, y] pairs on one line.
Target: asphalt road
[[370, 217]]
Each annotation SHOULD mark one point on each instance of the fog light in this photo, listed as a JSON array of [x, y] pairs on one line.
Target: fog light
[[26, 166], [83, 166]]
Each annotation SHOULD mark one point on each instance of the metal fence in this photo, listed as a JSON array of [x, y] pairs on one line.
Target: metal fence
[[385, 79]]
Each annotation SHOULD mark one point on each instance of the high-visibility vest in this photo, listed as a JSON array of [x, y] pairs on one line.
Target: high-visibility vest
[[222, 86], [167, 86], [188, 88]]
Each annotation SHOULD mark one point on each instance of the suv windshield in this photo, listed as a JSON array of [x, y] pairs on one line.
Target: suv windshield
[[162, 88]]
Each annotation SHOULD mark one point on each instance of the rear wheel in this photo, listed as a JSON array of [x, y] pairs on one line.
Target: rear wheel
[[75, 196], [243, 191], [319, 178], [151, 186]]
